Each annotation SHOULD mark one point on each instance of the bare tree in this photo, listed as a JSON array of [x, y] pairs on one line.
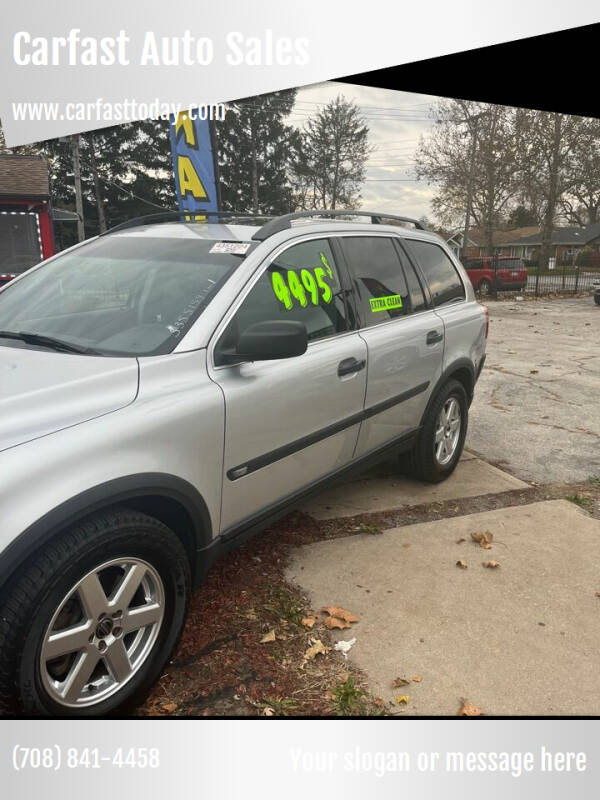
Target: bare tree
[[546, 143], [472, 158], [581, 204]]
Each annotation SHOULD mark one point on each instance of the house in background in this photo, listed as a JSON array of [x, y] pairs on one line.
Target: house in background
[[25, 224], [567, 245], [476, 241]]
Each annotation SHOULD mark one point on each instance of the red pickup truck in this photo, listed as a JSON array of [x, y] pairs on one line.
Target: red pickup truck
[[502, 273]]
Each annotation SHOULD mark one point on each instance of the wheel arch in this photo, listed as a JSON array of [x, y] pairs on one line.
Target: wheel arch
[[461, 370], [168, 498]]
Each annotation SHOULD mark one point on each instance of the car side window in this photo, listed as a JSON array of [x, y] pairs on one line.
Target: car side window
[[440, 273], [417, 297], [301, 284], [380, 283]]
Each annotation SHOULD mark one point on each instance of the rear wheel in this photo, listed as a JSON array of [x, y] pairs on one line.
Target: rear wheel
[[90, 624], [440, 444]]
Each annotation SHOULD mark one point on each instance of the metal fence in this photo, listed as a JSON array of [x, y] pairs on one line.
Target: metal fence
[[561, 278]]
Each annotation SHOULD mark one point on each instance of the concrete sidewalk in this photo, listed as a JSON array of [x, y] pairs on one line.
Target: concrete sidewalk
[[520, 639], [383, 488]]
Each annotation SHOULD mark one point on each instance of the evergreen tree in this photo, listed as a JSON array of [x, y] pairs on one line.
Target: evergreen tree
[[255, 150], [335, 149]]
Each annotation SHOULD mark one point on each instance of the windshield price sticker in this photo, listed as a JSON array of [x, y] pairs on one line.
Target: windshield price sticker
[[233, 248], [385, 303], [310, 285]]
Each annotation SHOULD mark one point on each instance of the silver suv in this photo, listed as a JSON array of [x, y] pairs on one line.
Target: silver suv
[[168, 388]]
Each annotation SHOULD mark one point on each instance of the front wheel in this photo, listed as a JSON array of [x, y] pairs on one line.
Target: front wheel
[[440, 444], [89, 625]]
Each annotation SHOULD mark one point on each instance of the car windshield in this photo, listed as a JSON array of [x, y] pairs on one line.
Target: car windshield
[[118, 295]]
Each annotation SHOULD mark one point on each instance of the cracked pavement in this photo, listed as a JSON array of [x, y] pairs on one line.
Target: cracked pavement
[[536, 411]]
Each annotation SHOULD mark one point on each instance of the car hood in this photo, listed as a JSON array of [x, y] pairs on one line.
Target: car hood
[[43, 391]]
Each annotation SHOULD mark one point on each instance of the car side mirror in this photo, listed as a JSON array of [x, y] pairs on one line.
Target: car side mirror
[[267, 341]]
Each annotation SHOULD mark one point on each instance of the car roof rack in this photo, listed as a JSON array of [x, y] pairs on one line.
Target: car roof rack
[[282, 223], [178, 216], [272, 226]]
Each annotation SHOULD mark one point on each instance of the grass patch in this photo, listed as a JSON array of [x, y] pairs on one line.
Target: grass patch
[[581, 500], [286, 606], [348, 700]]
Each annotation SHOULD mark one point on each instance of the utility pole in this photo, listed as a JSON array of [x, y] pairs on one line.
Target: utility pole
[[77, 181], [472, 125], [97, 187], [469, 204]]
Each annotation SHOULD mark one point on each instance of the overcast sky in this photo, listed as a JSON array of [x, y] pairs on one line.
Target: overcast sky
[[396, 121]]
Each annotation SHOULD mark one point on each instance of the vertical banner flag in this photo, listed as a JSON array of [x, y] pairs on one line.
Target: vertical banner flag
[[193, 165]]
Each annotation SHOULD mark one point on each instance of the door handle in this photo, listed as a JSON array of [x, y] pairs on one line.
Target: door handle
[[350, 365], [433, 337]]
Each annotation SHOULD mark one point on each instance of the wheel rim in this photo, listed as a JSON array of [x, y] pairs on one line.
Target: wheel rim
[[485, 288], [447, 431], [102, 632]]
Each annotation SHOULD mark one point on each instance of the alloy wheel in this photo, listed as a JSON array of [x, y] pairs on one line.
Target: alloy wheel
[[447, 431], [102, 632]]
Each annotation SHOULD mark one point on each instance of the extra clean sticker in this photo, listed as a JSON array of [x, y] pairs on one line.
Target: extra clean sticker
[[385, 303], [234, 248]]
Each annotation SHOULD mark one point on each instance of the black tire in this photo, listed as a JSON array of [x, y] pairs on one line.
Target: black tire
[[420, 462], [597, 299], [484, 287], [30, 601]]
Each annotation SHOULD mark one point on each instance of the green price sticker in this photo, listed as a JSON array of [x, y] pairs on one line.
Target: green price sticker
[[309, 286], [385, 303]]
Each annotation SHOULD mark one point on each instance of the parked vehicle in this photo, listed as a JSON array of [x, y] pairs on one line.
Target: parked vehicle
[[168, 389], [496, 273], [5, 277]]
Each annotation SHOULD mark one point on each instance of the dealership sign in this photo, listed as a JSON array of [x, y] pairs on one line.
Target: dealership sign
[[193, 164]]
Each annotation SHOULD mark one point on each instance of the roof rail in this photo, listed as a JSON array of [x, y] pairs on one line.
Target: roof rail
[[284, 222], [177, 216]]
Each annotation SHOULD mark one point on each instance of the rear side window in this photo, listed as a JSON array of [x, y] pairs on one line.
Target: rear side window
[[380, 283], [440, 273]]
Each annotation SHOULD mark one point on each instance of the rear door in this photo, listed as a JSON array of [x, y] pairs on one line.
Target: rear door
[[289, 422], [464, 319], [404, 338]]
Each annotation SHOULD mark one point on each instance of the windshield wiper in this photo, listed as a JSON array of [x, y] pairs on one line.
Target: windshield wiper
[[48, 341]]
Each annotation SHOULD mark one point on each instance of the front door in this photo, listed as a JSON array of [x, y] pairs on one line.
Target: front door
[[289, 422]]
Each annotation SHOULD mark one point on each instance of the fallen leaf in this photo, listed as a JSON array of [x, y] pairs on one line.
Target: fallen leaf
[[170, 706], [484, 539], [461, 540], [340, 613], [268, 712], [491, 564], [534, 371], [316, 647], [398, 682], [417, 678], [334, 622], [268, 637], [597, 594], [461, 564], [468, 709], [403, 700], [308, 622]]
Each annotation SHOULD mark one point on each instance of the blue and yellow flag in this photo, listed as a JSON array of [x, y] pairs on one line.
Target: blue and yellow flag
[[193, 165]]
